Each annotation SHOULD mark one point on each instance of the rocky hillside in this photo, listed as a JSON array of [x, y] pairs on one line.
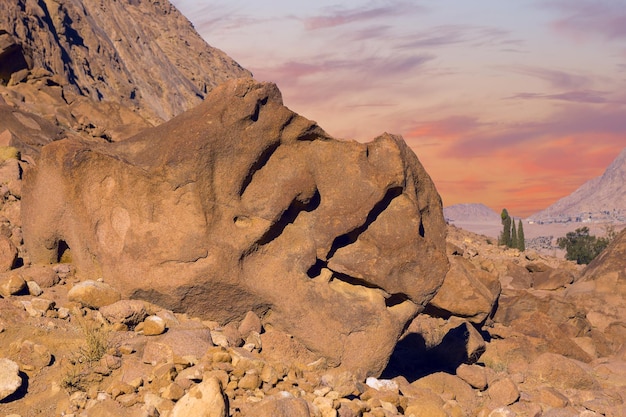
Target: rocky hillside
[[600, 199], [470, 212], [107, 69]]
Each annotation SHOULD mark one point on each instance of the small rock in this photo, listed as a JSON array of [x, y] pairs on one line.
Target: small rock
[[10, 380], [32, 356], [43, 305], [502, 412], [128, 312], [503, 392], [63, 312], [8, 254], [382, 384], [204, 400], [250, 323], [34, 288], [173, 392], [43, 275], [250, 381], [474, 375], [12, 283], [153, 326], [93, 294]]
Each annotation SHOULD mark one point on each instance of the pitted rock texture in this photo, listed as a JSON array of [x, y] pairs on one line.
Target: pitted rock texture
[[239, 205]]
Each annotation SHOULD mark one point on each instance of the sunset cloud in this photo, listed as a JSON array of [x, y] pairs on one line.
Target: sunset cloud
[[447, 35], [555, 78], [585, 18], [583, 96], [337, 16]]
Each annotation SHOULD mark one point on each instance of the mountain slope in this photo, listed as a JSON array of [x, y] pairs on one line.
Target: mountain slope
[[94, 66], [470, 212], [602, 198]]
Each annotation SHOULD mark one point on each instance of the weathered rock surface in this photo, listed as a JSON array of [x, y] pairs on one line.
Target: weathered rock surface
[[84, 55], [340, 243]]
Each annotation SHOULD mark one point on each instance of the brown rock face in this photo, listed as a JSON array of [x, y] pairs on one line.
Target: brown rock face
[[94, 48], [241, 205]]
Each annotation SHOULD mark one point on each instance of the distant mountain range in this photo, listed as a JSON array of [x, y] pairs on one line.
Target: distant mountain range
[[602, 199], [470, 212]]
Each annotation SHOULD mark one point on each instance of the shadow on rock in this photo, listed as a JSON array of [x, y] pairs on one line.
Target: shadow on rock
[[21, 391], [413, 359]]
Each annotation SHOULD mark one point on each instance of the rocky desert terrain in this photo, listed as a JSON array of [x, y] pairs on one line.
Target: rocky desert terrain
[[174, 241]]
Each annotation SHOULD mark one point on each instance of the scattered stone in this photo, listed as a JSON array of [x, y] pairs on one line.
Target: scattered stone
[[503, 392], [250, 381], [93, 294], [8, 254], [474, 375], [127, 312], [43, 275], [10, 380], [250, 323], [32, 356], [152, 326], [173, 392], [34, 288], [12, 283], [203, 400]]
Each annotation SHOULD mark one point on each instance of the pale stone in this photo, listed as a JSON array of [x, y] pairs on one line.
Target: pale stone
[[203, 400], [34, 288], [93, 294], [10, 380], [153, 326], [11, 283]]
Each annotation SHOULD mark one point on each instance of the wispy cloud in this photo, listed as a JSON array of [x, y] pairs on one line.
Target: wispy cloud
[[369, 66], [580, 96], [447, 35], [584, 18], [556, 78], [338, 16]]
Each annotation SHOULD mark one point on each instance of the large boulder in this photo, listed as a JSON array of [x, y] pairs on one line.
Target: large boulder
[[242, 205]]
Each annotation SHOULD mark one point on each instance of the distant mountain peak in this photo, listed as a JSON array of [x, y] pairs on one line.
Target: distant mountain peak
[[601, 199], [470, 212]]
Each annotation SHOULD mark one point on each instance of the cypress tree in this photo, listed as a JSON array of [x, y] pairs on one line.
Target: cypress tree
[[513, 235], [505, 237], [521, 242]]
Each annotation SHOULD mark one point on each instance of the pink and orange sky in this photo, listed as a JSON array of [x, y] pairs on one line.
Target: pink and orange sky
[[508, 103]]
